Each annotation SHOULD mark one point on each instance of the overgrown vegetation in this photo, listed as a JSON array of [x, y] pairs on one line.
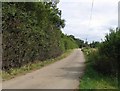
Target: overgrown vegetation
[[102, 63], [108, 54], [93, 79], [32, 32]]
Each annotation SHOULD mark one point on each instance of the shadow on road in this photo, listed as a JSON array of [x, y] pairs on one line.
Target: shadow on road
[[73, 73]]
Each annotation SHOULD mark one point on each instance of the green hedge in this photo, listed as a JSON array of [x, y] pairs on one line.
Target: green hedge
[[32, 32]]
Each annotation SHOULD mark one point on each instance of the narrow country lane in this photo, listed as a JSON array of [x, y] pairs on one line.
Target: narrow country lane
[[63, 74]]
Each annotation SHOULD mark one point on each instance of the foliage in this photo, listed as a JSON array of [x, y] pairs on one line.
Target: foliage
[[94, 79], [32, 31], [94, 44], [79, 42], [68, 42], [109, 53], [103, 63], [106, 59]]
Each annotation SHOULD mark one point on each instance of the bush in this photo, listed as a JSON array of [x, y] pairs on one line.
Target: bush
[[102, 65], [109, 54]]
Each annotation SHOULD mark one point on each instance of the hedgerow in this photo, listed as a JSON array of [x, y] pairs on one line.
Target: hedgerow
[[32, 32]]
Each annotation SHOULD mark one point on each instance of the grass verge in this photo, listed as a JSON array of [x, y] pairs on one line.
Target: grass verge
[[31, 67], [95, 80]]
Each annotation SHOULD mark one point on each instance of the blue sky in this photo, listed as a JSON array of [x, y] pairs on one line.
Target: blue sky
[[77, 16]]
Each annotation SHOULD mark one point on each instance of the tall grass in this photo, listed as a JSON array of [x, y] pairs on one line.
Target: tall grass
[[94, 79]]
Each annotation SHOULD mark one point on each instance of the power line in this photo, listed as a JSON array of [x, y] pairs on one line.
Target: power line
[[91, 13]]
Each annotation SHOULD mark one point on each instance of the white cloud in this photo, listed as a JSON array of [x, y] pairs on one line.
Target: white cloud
[[77, 16]]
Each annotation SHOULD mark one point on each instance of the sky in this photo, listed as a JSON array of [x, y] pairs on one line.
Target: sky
[[77, 18]]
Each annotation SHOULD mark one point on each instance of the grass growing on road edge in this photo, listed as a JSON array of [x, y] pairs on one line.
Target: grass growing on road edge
[[31, 67], [94, 80]]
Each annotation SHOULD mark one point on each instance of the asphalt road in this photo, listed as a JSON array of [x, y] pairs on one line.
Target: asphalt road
[[63, 74]]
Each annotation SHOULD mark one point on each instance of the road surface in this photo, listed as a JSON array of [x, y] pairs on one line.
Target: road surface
[[63, 74]]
